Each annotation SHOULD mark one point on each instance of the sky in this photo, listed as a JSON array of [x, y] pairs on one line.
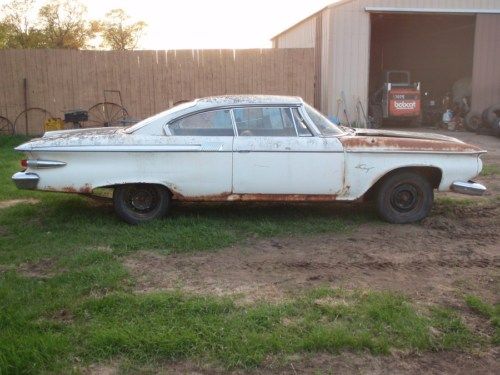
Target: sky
[[191, 24]]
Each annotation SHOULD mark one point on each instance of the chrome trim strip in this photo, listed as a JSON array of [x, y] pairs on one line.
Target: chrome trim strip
[[200, 149], [25, 180], [469, 188], [40, 164]]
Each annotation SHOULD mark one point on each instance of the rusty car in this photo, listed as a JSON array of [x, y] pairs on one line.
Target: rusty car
[[250, 148]]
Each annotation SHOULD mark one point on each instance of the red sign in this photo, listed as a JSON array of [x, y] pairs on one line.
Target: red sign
[[404, 103]]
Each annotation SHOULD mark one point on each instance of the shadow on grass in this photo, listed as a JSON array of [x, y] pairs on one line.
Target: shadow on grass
[[61, 223]]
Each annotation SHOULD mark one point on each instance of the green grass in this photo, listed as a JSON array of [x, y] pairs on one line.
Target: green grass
[[491, 312], [81, 309], [490, 170], [148, 329]]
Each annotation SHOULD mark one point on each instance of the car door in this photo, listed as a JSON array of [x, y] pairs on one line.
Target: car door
[[199, 164], [275, 152]]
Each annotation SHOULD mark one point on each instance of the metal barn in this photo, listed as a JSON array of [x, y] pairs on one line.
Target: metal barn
[[439, 41]]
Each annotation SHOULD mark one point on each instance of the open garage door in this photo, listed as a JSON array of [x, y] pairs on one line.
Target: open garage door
[[436, 49]]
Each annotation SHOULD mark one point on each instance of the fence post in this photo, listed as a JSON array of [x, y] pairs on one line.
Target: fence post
[[25, 88]]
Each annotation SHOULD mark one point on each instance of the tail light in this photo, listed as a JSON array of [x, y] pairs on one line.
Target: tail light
[[24, 163]]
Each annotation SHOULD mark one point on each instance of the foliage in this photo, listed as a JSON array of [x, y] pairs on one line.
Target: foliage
[[118, 33], [18, 29], [63, 24]]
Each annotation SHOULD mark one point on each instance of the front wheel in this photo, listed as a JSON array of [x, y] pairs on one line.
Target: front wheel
[[139, 203], [404, 197]]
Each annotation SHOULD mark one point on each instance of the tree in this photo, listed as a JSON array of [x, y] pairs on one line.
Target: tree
[[118, 33], [18, 29], [63, 25]]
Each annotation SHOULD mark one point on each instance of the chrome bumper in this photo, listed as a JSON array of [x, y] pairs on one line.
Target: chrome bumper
[[469, 188], [26, 180]]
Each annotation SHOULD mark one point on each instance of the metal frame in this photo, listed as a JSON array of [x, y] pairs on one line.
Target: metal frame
[[431, 10]]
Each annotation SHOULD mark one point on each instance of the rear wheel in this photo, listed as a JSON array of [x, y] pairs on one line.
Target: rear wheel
[[139, 203], [404, 197]]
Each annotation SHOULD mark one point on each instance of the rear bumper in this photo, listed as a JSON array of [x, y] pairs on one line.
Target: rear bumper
[[469, 188], [26, 180]]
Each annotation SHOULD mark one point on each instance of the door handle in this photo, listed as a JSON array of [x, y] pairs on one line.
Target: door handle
[[244, 151]]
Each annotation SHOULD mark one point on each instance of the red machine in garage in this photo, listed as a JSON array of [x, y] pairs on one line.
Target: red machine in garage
[[398, 99]]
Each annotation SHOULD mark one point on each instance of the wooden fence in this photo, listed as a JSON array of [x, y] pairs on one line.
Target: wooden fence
[[149, 81]]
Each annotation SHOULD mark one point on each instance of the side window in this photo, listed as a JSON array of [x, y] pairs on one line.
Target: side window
[[302, 128], [211, 123], [264, 122]]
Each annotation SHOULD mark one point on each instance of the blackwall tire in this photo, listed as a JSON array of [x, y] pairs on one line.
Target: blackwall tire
[[496, 127], [404, 197], [491, 114], [140, 203], [473, 121]]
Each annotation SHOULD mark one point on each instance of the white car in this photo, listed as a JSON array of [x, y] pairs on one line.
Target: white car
[[250, 148]]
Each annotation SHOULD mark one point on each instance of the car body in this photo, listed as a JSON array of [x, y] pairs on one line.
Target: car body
[[248, 148]]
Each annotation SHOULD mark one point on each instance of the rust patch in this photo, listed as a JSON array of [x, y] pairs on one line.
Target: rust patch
[[85, 189], [225, 197], [202, 198], [353, 143]]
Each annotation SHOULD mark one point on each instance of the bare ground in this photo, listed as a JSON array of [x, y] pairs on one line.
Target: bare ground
[[14, 202], [453, 252]]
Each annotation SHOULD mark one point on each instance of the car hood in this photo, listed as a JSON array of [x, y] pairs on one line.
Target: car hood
[[374, 140]]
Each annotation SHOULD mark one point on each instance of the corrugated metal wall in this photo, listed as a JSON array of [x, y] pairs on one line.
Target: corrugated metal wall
[[486, 70], [301, 36], [350, 45], [346, 44]]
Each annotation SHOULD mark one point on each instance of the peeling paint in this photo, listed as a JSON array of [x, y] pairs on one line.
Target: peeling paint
[[370, 143], [229, 197]]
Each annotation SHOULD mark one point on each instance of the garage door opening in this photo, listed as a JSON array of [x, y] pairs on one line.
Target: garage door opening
[[436, 49]]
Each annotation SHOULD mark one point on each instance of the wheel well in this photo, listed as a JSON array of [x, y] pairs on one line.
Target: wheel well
[[432, 174], [167, 189]]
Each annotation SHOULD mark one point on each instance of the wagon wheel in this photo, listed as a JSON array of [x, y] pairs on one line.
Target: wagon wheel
[[106, 114], [36, 120], [6, 126]]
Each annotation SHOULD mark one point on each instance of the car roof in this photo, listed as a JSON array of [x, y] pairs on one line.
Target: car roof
[[231, 100]]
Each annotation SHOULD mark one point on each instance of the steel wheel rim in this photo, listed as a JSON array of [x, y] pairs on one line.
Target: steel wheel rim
[[142, 200], [405, 198]]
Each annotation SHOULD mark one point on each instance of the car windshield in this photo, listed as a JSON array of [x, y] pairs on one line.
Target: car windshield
[[325, 126], [149, 120]]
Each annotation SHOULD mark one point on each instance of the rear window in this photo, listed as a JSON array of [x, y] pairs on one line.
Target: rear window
[[209, 123]]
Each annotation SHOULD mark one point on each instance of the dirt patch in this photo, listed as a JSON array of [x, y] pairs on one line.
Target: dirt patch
[[41, 269], [354, 363], [100, 369], [397, 363], [455, 249], [15, 202]]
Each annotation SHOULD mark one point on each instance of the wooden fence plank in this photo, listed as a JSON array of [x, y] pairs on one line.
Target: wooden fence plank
[[149, 81]]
